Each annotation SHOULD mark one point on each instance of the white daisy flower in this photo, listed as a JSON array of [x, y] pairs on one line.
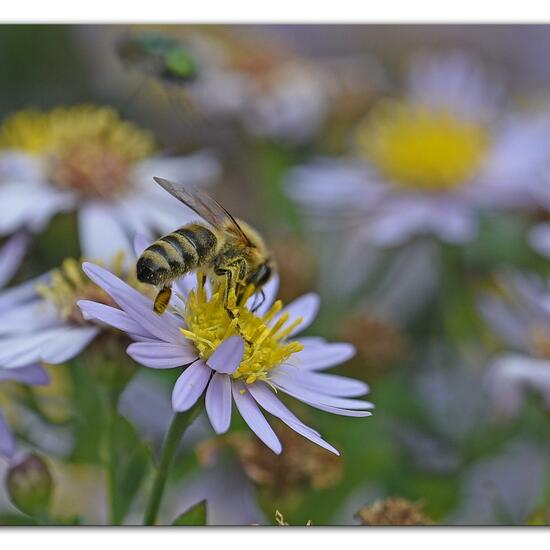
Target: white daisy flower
[[425, 163], [40, 321], [86, 158], [245, 360], [520, 315]]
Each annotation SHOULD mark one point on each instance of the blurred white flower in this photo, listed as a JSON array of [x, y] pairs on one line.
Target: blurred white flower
[[11, 255], [504, 489], [291, 105], [85, 158], [40, 321], [425, 164], [520, 315]]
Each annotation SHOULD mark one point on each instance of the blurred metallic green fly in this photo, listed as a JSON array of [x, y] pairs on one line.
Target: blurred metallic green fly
[[160, 56]]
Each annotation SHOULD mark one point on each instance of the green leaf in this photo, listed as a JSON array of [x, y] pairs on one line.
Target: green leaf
[[15, 520], [196, 515], [90, 416], [129, 461]]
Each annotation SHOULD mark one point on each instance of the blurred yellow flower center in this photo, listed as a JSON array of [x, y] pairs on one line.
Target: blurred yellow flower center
[[418, 148], [88, 149], [69, 284], [209, 324]]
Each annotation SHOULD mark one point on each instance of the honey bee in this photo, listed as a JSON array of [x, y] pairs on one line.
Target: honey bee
[[225, 248]]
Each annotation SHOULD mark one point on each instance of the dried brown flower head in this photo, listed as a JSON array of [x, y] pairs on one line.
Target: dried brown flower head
[[295, 265], [393, 511], [301, 464], [379, 344]]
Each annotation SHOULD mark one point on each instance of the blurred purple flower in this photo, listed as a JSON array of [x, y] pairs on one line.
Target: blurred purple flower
[[520, 315], [231, 371], [503, 489]]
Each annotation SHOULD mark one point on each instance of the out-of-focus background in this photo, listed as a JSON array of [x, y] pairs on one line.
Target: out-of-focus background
[[458, 432]]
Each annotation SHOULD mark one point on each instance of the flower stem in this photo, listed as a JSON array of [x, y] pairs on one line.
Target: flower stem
[[180, 422], [111, 460]]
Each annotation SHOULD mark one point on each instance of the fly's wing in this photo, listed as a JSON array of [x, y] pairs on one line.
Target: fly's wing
[[204, 205]]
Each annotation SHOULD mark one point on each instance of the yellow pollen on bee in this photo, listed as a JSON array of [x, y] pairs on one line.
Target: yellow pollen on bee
[[420, 148], [208, 324]]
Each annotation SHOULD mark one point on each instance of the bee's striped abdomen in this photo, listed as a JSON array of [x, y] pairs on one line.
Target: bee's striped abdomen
[[175, 254], [200, 237]]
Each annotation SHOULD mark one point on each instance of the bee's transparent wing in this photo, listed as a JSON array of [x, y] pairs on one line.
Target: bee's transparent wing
[[204, 205]]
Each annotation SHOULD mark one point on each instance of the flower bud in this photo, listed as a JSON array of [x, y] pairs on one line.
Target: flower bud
[[29, 484]]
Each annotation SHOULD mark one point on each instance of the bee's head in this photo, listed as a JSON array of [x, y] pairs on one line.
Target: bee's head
[[149, 272], [261, 274]]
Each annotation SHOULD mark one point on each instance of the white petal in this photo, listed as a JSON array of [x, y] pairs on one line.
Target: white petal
[[111, 316], [25, 318], [33, 374], [11, 255], [322, 355], [270, 403], [140, 308], [53, 345], [327, 384], [456, 82], [30, 205], [197, 169], [190, 385], [314, 398], [218, 402], [227, 356], [254, 418], [141, 242], [162, 355], [306, 307], [16, 166], [539, 238], [101, 235], [7, 442], [21, 294], [23, 350], [67, 343]]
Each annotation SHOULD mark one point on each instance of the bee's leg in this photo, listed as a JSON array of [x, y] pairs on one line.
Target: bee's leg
[[234, 274], [260, 302], [162, 299], [231, 278]]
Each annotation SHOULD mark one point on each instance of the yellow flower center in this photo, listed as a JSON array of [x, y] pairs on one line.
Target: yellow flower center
[[69, 284], [418, 148], [88, 149], [209, 324]]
